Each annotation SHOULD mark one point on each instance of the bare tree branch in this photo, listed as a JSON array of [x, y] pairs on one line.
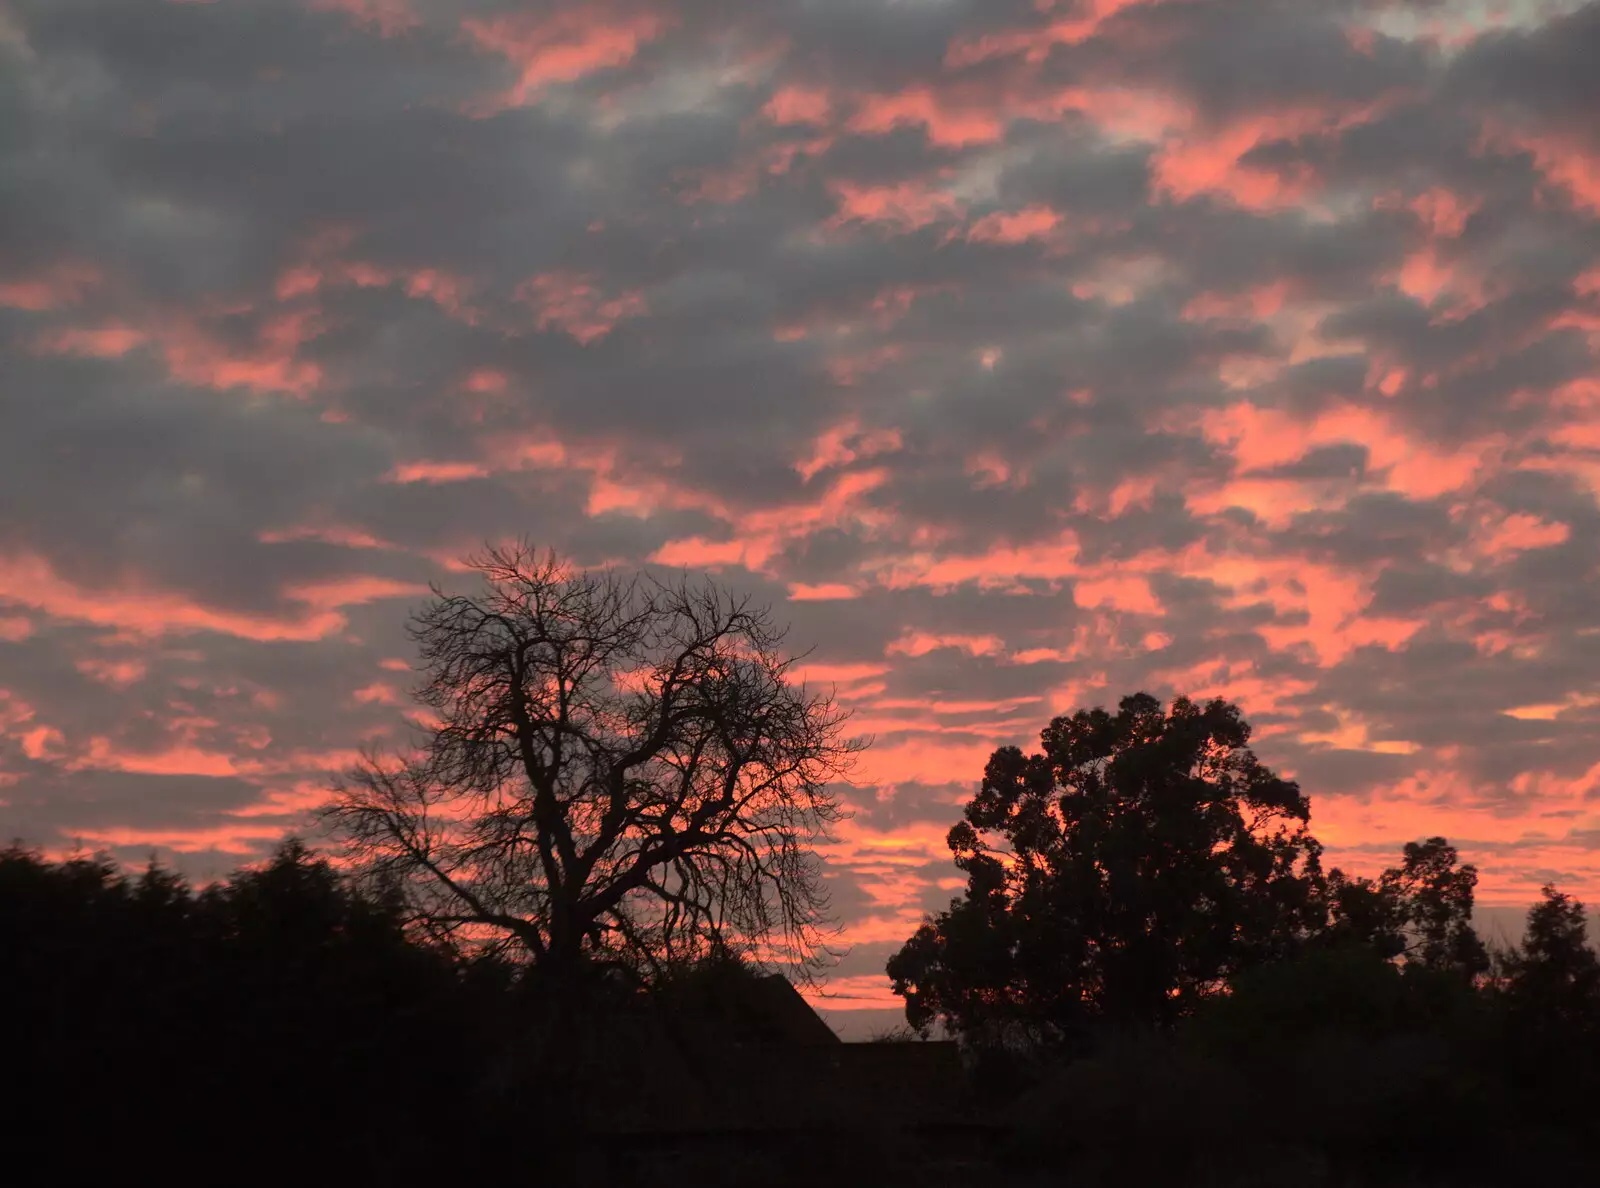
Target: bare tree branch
[[622, 770]]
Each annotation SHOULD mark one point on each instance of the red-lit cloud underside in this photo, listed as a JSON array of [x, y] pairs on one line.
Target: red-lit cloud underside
[[1026, 354]]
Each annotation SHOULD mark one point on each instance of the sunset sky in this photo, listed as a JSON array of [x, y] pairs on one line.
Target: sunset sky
[[1022, 354]]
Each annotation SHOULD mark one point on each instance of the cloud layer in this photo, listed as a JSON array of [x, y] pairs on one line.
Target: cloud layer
[[1026, 353]]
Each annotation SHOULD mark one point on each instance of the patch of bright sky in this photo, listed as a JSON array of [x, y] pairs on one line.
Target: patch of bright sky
[[706, 85], [12, 37], [1453, 18], [977, 181]]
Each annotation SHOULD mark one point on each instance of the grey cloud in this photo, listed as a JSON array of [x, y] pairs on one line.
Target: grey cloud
[[193, 153], [913, 802], [65, 810], [1344, 461]]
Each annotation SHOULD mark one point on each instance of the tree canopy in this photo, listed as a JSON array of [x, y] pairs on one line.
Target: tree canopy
[[1419, 911], [1554, 976], [1125, 870], [621, 770]]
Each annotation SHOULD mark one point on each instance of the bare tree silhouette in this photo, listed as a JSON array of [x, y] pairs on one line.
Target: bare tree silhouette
[[621, 770]]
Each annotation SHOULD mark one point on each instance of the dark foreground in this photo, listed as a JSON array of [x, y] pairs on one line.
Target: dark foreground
[[281, 1027]]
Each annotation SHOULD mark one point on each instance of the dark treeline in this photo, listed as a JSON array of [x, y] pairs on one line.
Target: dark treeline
[[282, 1023], [290, 1024], [275, 1023], [1335, 1066]]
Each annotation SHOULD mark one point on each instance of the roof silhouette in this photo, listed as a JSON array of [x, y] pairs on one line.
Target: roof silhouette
[[748, 1055]]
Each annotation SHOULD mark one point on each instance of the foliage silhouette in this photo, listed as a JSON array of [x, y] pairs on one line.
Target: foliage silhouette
[[1120, 875], [280, 1007], [1554, 977], [1546, 1044]]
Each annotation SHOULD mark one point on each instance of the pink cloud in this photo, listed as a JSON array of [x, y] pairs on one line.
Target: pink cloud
[[841, 674], [858, 992], [196, 357], [1035, 42], [1539, 815], [322, 269], [1330, 599], [920, 643], [562, 47], [1120, 113], [388, 18], [758, 535], [139, 610], [905, 206], [42, 743], [1518, 533], [1261, 438], [13, 710], [356, 590], [946, 124], [29, 581], [798, 105], [298, 798], [241, 839], [848, 367], [572, 303], [1020, 226], [940, 705], [989, 468], [821, 592], [63, 284], [695, 552], [344, 536], [436, 472], [1443, 212], [179, 760], [1257, 303], [19, 721], [378, 693], [1195, 159], [486, 380], [97, 342], [1570, 165], [118, 673], [444, 290], [1131, 594], [1000, 568]]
